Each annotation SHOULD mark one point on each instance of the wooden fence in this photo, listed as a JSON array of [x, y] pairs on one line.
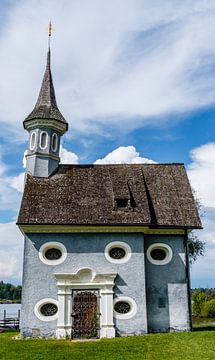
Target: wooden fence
[[10, 322]]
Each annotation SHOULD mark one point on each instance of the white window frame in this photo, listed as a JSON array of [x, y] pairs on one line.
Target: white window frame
[[50, 245], [30, 145], [133, 308], [38, 306], [41, 134], [164, 247], [54, 149], [122, 245]]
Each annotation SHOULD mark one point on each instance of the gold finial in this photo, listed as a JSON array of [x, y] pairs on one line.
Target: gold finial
[[50, 28]]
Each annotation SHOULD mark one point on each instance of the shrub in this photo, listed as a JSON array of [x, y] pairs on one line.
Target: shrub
[[198, 298], [208, 308]]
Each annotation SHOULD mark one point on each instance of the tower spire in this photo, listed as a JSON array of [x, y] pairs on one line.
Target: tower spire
[[45, 125], [46, 105]]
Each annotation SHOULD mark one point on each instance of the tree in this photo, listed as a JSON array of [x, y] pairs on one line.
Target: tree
[[196, 247], [10, 292], [198, 298]]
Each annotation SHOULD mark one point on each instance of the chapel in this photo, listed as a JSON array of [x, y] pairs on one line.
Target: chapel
[[105, 250]]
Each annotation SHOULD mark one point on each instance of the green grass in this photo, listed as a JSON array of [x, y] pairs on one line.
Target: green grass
[[169, 346]]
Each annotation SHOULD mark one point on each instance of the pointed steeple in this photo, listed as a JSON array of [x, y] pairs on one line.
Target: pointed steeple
[[46, 105], [45, 125]]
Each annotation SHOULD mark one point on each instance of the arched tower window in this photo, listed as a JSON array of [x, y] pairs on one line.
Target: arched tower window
[[43, 140], [54, 142], [33, 140]]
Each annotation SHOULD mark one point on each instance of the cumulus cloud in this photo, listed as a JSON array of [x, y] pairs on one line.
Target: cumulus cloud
[[124, 155], [153, 60], [17, 182], [11, 188], [201, 173], [9, 196], [3, 167], [202, 272], [11, 248], [24, 159], [67, 157]]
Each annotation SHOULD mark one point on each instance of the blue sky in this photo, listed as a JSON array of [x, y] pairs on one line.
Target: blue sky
[[138, 74]]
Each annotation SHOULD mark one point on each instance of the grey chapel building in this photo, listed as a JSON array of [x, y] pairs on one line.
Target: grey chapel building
[[105, 250]]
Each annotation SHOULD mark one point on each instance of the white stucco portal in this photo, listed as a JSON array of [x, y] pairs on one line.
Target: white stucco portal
[[85, 279]]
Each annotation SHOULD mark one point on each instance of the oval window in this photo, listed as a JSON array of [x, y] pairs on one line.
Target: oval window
[[48, 309], [32, 141], [54, 142], [159, 254], [53, 254], [117, 252], [43, 140], [122, 307]]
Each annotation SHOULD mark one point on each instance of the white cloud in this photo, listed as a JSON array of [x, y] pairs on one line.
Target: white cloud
[[201, 173], [11, 188], [3, 167], [203, 270], [24, 159], [9, 196], [67, 157], [11, 249], [17, 182], [124, 155], [154, 59]]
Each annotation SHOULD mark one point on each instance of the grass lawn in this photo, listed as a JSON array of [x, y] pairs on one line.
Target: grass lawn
[[174, 346]]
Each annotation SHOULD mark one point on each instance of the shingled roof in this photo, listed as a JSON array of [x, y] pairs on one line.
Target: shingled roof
[[46, 105], [157, 195]]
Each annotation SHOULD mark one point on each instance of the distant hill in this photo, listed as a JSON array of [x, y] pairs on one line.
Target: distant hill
[[10, 293]]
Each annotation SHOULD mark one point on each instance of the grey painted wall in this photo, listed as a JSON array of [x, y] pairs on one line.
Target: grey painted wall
[[157, 279], [87, 250]]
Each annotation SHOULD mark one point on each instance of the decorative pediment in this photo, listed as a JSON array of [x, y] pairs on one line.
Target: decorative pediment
[[85, 276]]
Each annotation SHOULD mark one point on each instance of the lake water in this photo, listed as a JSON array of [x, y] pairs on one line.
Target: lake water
[[11, 310]]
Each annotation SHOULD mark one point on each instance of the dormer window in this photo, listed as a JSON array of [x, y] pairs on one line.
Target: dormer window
[[122, 203], [43, 140]]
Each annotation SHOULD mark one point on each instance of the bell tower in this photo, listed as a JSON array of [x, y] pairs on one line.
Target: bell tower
[[45, 125]]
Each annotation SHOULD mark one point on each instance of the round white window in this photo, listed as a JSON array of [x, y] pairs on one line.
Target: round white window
[[159, 254], [46, 309], [117, 252], [52, 253], [124, 307]]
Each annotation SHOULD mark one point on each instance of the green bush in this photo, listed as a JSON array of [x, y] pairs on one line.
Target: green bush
[[198, 298], [208, 308]]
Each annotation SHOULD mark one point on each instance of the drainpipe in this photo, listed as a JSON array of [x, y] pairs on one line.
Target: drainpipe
[[188, 278]]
